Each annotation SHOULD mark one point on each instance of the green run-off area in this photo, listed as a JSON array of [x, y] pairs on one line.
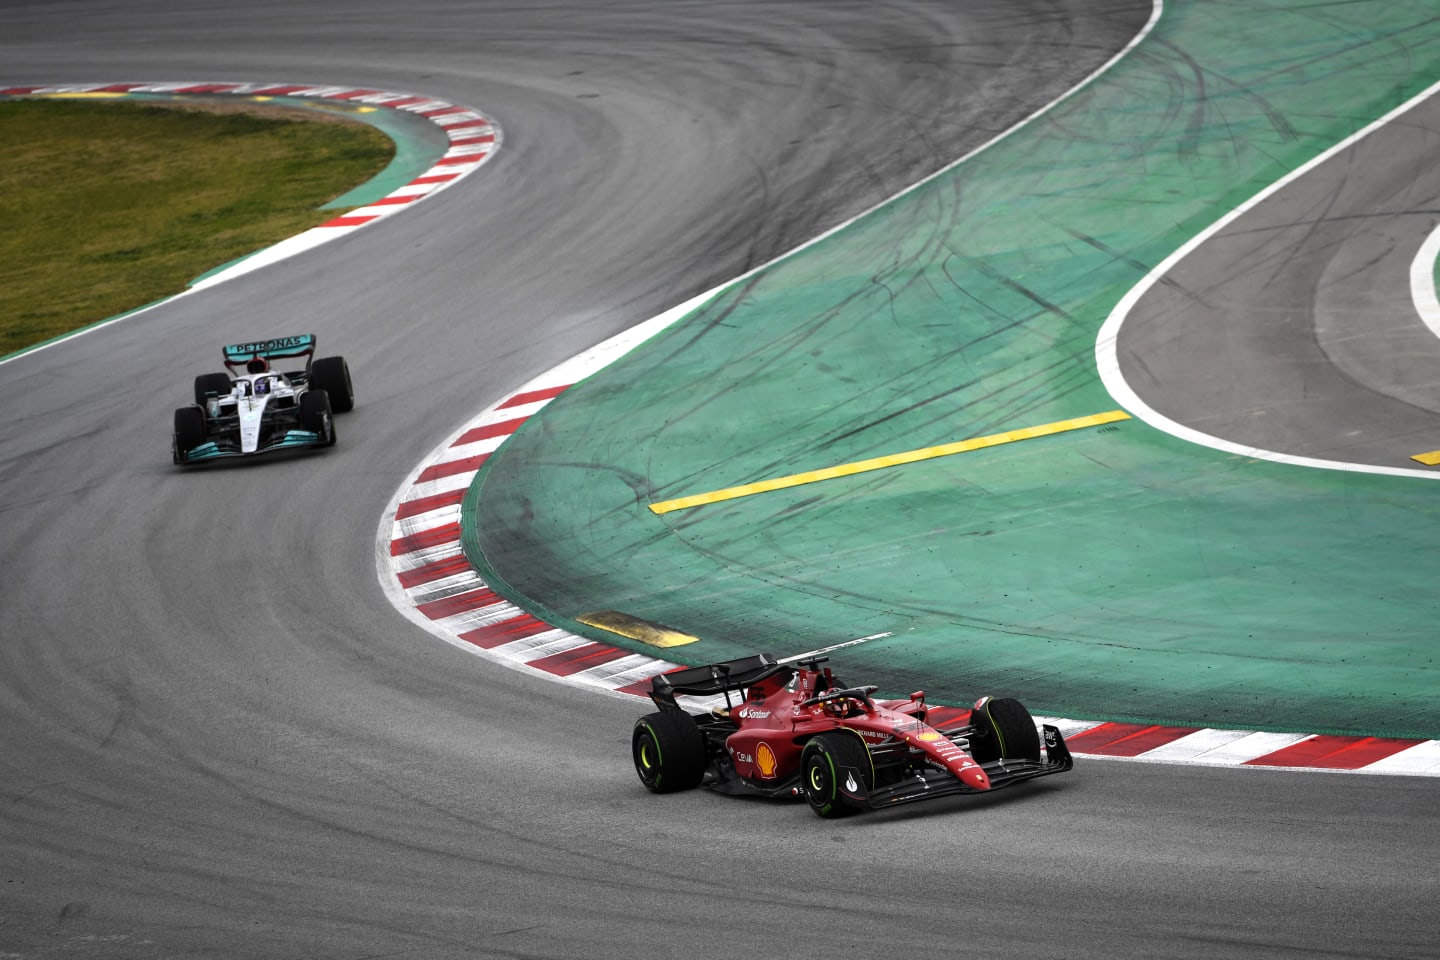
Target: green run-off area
[[1113, 572]]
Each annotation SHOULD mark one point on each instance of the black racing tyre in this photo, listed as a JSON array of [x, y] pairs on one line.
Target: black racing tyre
[[669, 751], [822, 771], [332, 374], [189, 431], [315, 414], [211, 384], [1003, 729]]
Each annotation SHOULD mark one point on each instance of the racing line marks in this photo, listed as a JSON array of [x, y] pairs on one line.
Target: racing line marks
[[424, 570], [425, 573], [1422, 285]]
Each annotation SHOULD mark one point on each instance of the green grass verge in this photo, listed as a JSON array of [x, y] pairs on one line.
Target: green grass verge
[[109, 205]]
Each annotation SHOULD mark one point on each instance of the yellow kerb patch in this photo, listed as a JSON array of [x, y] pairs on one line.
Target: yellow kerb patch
[[655, 634]]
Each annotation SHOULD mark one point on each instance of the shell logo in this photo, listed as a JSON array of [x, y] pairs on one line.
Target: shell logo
[[928, 735], [765, 760]]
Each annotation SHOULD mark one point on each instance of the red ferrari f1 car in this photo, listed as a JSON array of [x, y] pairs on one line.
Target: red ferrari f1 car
[[787, 730]]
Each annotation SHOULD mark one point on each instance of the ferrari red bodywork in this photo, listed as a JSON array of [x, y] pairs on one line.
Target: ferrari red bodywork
[[791, 729]]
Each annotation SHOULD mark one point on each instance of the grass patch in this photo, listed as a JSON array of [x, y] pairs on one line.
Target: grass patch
[[111, 205]]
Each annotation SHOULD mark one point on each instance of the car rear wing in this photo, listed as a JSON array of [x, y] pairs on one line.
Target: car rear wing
[[278, 348], [715, 678]]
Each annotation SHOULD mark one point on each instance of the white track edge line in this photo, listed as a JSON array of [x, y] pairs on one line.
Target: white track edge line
[[1108, 362]]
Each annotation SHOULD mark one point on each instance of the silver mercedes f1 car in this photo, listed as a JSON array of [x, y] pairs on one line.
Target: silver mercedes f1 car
[[257, 408]]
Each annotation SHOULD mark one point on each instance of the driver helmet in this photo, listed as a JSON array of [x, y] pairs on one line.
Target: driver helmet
[[262, 384]]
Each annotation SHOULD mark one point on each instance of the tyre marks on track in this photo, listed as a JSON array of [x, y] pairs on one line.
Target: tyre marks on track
[[426, 574], [423, 569], [429, 579]]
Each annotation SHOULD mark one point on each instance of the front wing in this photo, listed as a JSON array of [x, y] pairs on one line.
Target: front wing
[[226, 445], [932, 784], [212, 450]]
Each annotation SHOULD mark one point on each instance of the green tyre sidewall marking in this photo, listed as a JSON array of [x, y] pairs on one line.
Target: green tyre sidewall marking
[[827, 792], [835, 804], [646, 740]]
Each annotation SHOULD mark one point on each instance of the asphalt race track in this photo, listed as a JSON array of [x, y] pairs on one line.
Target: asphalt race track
[[217, 738], [1304, 305]]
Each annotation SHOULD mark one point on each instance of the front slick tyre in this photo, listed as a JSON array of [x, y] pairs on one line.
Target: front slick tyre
[[669, 751], [315, 415], [826, 763], [1004, 729], [189, 432], [332, 374]]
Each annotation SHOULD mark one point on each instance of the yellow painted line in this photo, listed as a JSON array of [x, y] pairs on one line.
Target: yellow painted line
[[85, 95], [319, 105], [893, 460], [655, 634], [343, 107], [1429, 459]]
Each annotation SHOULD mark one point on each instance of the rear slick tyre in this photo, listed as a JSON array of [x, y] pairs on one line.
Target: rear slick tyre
[[669, 752], [209, 385]]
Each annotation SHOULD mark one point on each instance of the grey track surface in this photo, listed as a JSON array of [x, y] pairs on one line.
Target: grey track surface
[[1303, 310], [218, 739]]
